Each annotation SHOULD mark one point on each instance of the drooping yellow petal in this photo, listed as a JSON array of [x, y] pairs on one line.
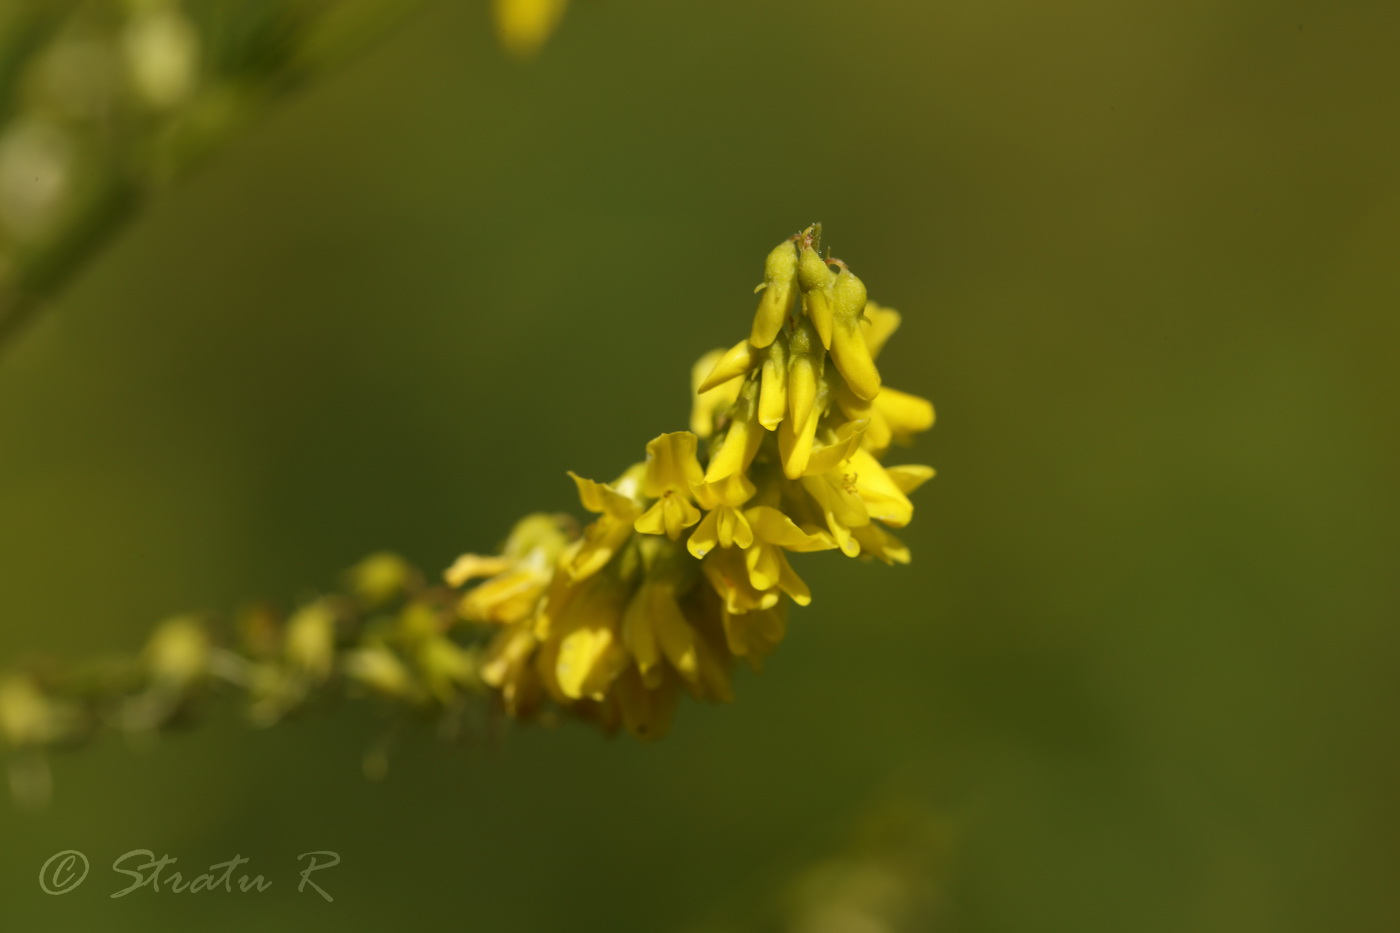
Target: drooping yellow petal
[[877, 542], [773, 527], [883, 498], [905, 414], [736, 361], [706, 407], [879, 323], [603, 498], [472, 566], [909, 476]]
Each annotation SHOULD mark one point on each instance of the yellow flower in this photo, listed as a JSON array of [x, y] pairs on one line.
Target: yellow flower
[[724, 523], [774, 533], [709, 411], [741, 441], [618, 512], [613, 625], [507, 667], [754, 635], [518, 576], [671, 471]]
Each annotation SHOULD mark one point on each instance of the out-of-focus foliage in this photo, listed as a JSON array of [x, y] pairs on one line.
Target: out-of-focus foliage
[[103, 102]]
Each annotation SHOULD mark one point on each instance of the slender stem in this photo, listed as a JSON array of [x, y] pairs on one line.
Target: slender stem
[[312, 43]]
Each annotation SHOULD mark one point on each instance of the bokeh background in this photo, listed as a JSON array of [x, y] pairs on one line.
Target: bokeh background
[[1142, 673]]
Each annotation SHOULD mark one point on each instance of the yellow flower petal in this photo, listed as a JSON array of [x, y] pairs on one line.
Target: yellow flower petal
[[773, 398], [816, 280], [736, 361], [848, 350], [671, 464], [910, 476], [707, 406], [779, 276]]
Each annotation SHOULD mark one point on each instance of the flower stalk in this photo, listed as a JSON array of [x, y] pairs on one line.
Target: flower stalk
[[684, 571]]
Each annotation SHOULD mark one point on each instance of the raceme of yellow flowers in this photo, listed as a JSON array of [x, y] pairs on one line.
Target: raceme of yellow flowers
[[685, 568]]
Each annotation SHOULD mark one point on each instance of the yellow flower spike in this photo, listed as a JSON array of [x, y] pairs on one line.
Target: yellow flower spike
[[646, 711], [909, 476], [878, 324], [524, 25], [708, 406], [816, 281], [848, 350], [609, 532], [671, 471], [779, 275], [736, 361], [741, 442], [773, 397]]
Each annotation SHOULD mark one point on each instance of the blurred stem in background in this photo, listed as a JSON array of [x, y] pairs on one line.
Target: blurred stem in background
[[103, 102]]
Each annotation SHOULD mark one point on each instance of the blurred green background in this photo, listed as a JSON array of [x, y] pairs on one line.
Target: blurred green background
[[1142, 673]]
